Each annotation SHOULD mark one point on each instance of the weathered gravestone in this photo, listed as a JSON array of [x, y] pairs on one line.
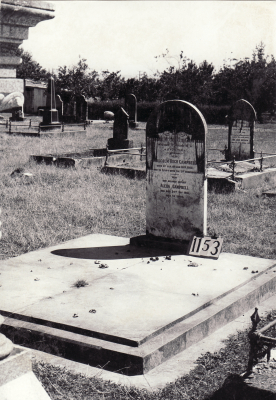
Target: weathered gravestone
[[120, 132], [241, 120], [50, 113], [131, 108], [176, 183]]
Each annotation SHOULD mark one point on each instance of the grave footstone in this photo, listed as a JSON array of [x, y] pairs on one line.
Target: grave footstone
[[131, 108], [241, 121], [120, 132], [176, 182]]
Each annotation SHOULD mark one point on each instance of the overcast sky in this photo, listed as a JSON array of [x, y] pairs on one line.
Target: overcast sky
[[127, 35]]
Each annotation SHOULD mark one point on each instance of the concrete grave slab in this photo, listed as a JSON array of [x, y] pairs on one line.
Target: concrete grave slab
[[139, 307], [176, 367]]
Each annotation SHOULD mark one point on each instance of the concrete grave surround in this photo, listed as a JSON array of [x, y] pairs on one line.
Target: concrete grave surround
[[135, 313], [176, 183], [241, 119], [16, 17]]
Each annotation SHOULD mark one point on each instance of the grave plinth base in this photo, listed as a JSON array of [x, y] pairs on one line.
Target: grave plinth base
[[133, 124], [175, 245], [115, 144], [17, 115], [50, 120]]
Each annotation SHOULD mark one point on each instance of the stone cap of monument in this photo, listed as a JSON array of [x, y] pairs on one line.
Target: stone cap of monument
[[16, 17], [41, 5]]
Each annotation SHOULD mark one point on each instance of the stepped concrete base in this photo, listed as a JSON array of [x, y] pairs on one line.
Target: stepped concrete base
[[127, 172], [175, 367], [95, 158], [116, 144], [222, 180], [139, 307]]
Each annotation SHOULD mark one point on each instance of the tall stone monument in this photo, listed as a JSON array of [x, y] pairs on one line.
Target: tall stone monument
[[176, 182], [16, 17], [120, 132], [131, 109], [241, 122], [50, 113]]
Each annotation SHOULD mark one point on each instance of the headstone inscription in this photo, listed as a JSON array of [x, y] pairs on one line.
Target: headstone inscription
[[176, 207], [241, 120], [120, 132], [131, 108]]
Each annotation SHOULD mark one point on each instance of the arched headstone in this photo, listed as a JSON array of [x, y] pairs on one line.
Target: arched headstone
[[176, 182], [131, 108], [241, 121]]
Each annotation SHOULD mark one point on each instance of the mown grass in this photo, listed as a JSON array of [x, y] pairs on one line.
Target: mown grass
[[55, 205]]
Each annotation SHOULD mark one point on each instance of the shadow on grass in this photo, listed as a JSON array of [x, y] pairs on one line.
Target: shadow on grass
[[234, 388], [113, 252]]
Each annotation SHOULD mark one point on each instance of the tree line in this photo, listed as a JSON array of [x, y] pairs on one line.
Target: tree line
[[252, 79]]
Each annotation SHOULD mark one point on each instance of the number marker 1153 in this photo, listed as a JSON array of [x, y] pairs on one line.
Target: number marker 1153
[[206, 246]]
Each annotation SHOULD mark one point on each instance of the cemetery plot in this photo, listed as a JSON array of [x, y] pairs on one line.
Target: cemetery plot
[[137, 310]]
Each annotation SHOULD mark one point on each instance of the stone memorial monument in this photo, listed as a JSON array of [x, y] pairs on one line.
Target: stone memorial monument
[[241, 121], [120, 132], [16, 17], [131, 108], [176, 182], [50, 113]]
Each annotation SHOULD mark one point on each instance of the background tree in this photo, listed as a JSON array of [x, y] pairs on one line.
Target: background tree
[[30, 69], [77, 80]]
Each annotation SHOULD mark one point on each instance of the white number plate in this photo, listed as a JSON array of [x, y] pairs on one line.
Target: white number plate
[[206, 246]]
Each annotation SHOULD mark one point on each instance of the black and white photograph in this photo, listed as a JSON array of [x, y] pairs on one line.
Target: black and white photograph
[[137, 200]]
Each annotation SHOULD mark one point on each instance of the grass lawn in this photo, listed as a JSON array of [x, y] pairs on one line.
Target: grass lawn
[[55, 205]]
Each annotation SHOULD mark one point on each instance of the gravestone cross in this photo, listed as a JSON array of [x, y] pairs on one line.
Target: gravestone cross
[[241, 121], [131, 108], [176, 207], [120, 132]]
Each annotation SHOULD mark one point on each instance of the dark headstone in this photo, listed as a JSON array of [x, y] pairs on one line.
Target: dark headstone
[[241, 121], [131, 108], [120, 132], [176, 183]]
